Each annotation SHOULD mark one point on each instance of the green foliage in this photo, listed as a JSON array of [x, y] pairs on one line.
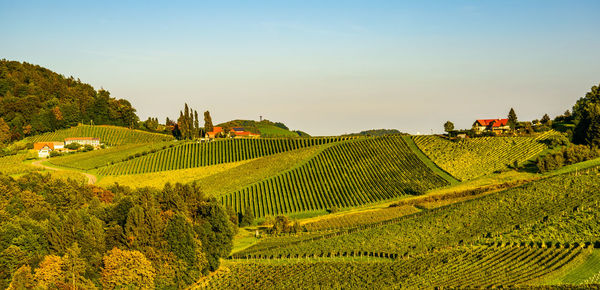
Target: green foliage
[[247, 217], [180, 236], [566, 156], [190, 155], [72, 226], [73, 146], [34, 100], [216, 232], [448, 126], [587, 118], [346, 174], [208, 125], [377, 133], [512, 119]]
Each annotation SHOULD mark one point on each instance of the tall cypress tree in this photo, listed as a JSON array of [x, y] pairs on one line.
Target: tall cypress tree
[[196, 124], [512, 119], [208, 125]]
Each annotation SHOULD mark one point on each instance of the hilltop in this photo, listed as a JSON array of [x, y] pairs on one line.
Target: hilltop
[[265, 128], [34, 100]]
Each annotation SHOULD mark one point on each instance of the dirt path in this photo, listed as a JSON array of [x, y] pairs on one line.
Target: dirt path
[[90, 177]]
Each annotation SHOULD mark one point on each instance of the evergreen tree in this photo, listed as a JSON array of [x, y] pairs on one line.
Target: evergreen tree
[[512, 119], [208, 125], [545, 119], [196, 125]]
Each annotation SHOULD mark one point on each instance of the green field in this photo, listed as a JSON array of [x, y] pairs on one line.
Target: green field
[[191, 154], [105, 157], [474, 157], [348, 174], [109, 135]]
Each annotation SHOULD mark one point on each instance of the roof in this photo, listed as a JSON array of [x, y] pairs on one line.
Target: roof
[[81, 138], [40, 145], [492, 122], [214, 132], [246, 134]]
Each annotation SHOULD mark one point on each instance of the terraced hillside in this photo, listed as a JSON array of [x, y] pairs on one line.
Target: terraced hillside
[[109, 135], [190, 155], [459, 267], [470, 158], [347, 174], [472, 221]]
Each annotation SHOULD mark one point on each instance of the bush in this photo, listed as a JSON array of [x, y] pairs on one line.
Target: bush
[[73, 146], [55, 154], [88, 148]]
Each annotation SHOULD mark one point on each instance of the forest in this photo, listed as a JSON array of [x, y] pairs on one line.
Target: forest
[[35, 100], [62, 234]]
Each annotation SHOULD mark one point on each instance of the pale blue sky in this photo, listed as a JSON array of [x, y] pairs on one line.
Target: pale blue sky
[[326, 67]]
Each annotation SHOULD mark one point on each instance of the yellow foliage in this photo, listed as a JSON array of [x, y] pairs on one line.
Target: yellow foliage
[[50, 271], [128, 269]]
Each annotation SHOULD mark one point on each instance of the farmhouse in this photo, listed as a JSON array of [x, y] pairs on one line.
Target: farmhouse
[[241, 133], [83, 141], [44, 148], [214, 133], [491, 125]]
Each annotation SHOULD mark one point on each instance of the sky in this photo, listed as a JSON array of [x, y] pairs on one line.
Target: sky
[[324, 67]]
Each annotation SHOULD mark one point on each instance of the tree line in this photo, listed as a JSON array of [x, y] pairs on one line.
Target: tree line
[[62, 234], [35, 100]]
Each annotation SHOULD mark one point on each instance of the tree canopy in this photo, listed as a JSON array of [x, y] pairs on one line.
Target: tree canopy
[[144, 238], [34, 100]]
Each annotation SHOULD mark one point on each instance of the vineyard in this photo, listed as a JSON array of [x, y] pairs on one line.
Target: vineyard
[[109, 135], [457, 267], [13, 164], [471, 158], [191, 155], [359, 218], [344, 175], [469, 221], [104, 157]]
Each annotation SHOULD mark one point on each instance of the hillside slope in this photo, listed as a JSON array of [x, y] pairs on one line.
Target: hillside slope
[[265, 128], [471, 158], [34, 100], [346, 174], [109, 135]]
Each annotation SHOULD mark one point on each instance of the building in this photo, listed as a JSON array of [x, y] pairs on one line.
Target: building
[[214, 133], [239, 132], [44, 148], [497, 126], [83, 141]]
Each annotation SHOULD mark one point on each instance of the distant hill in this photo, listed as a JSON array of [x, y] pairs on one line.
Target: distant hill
[[377, 132], [35, 100], [265, 128]]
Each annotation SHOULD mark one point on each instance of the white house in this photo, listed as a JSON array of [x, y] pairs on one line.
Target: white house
[[83, 141]]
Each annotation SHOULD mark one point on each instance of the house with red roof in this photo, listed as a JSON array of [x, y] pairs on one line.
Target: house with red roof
[[214, 133], [239, 132], [497, 126], [44, 148]]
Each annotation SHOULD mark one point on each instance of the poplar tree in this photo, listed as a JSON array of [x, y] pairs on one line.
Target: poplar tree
[[208, 125], [512, 119]]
